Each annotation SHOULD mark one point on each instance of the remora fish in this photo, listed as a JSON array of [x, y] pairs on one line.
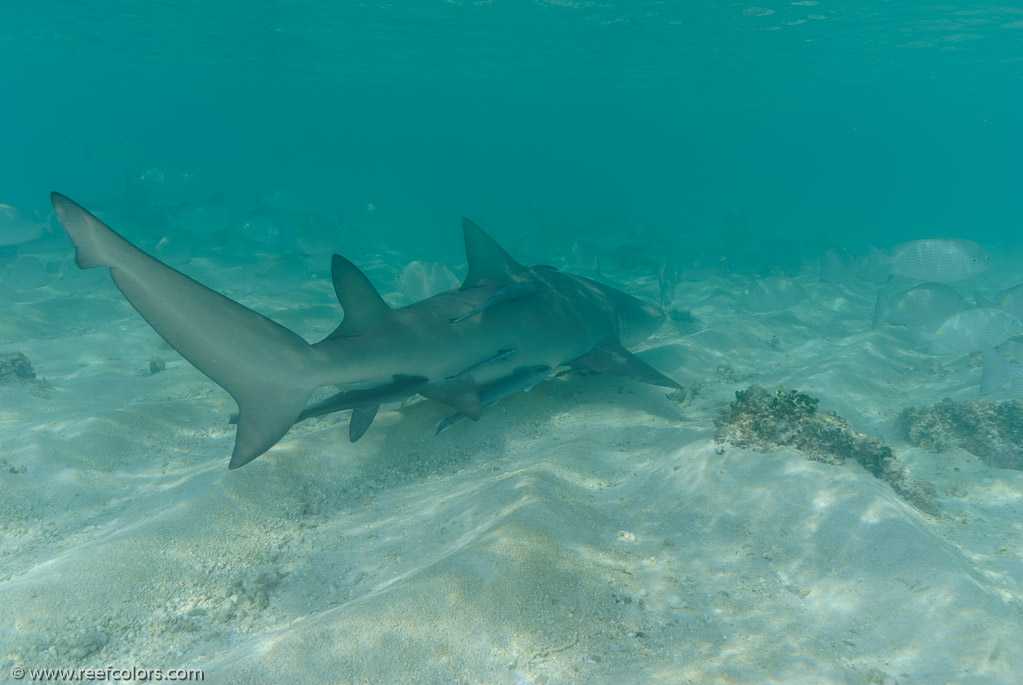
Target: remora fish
[[271, 372]]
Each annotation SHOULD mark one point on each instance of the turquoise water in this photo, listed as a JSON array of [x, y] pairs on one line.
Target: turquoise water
[[880, 121]]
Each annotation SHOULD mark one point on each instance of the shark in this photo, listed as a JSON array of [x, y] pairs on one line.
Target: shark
[[503, 330]]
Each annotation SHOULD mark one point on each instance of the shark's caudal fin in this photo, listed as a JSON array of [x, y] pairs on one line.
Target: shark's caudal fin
[[264, 366]]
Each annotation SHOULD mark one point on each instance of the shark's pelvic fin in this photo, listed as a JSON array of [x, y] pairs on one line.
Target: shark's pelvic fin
[[360, 300], [610, 357], [488, 262], [268, 370], [458, 393], [505, 292], [362, 419]]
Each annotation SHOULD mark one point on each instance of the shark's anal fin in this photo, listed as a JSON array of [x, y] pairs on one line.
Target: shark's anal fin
[[459, 393], [506, 292], [612, 358], [362, 419], [266, 368]]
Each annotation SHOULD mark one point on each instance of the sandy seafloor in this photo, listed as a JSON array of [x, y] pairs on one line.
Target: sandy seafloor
[[588, 531]]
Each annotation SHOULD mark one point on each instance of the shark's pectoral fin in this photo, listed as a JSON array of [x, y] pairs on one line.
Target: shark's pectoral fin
[[612, 358], [459, 394], [362, 419]]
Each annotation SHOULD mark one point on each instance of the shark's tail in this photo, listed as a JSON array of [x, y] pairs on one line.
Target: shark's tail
[[267, 369]]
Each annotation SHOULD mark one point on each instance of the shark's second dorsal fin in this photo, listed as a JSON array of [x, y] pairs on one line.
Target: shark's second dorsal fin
[[360, 300], [487, 260]]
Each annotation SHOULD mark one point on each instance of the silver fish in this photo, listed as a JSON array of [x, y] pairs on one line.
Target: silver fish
[[774, 294], [920, 306], [939, 260], [1010, 299], [998, 371], [421, 280], [25, 273], [837, 265], [965, 331], [19, 225]]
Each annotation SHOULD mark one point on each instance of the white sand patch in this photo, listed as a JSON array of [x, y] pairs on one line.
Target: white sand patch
[[588, 531]]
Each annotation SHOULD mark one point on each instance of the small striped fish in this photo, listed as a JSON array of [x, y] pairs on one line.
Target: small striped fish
[[941, 261]]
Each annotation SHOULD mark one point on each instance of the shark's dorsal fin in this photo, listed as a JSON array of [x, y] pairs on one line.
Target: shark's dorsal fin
[[360, 300], [488, 262], [610, 357]]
